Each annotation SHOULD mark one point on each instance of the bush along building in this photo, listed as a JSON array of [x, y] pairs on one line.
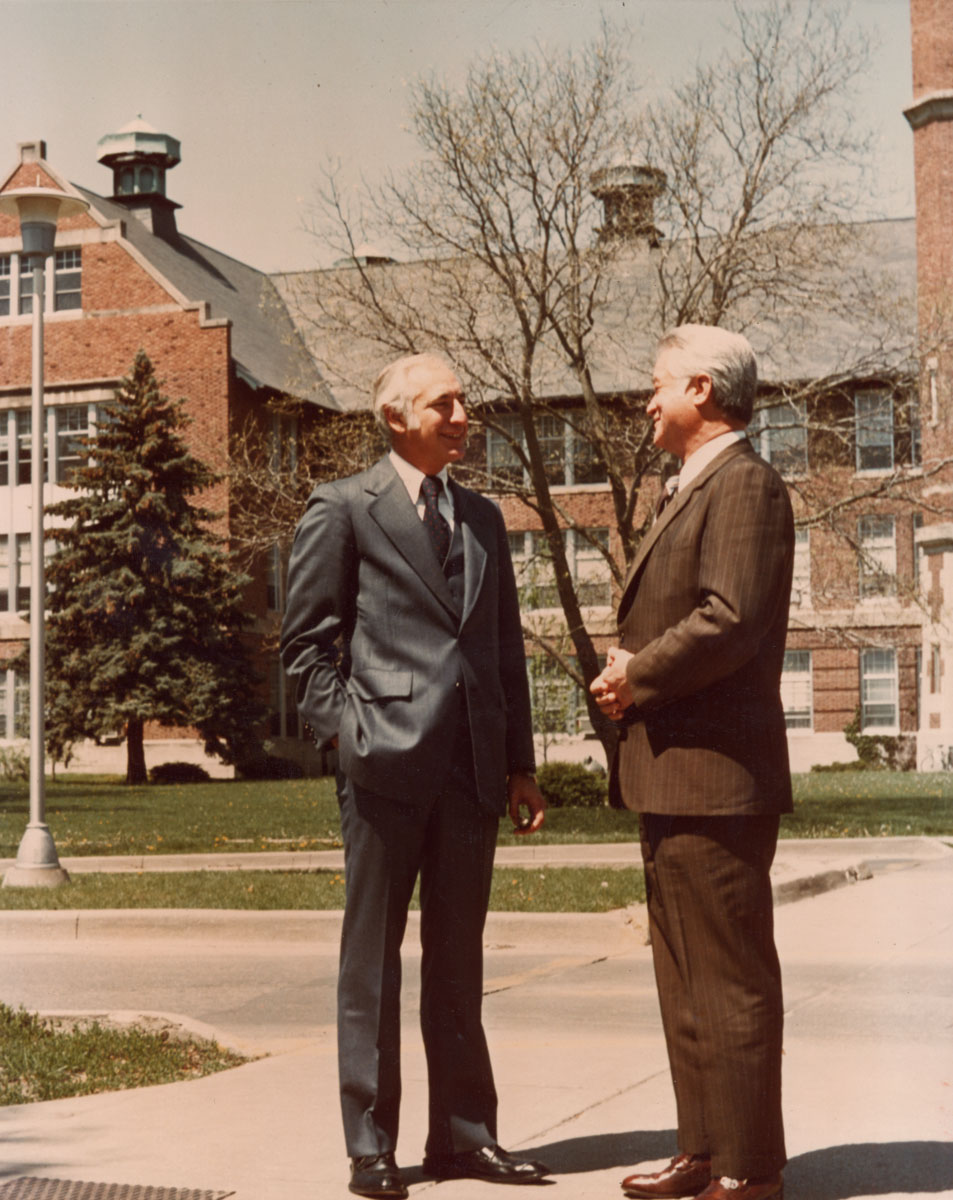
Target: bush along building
[[124, 279]]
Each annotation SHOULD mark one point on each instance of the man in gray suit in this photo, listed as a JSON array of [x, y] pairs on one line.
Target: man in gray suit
[[702, 757], [403, 633]]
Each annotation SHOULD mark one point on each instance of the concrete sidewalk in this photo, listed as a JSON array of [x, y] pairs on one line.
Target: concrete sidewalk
[[580, 1062]]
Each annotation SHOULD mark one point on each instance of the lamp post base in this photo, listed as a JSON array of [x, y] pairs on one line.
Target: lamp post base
[[37, 863], [35, 877]]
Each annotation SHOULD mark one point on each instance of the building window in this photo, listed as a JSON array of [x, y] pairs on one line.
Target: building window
[[535, 577], [22, 580], [67, 280], [873, 426], [878, 689], [6, 274], [4, 575], [570, 460], [558, 703], [801, 583], [936, 669], [24, 435], [877, 553], [25, 304], [782, 436], [797, 690], [72, 425]]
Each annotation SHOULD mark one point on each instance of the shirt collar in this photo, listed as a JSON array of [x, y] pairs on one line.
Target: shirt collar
[[697, 462], [412, 476]]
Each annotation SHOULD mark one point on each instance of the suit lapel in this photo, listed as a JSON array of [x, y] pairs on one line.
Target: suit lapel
[[670, 514], [478, 537], [394, 512]]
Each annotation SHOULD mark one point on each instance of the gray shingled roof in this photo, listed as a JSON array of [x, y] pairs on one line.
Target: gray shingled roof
[[266, 347], [859, 321]]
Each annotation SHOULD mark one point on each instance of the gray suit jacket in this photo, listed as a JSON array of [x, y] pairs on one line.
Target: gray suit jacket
[[705, 610], [363, 577]]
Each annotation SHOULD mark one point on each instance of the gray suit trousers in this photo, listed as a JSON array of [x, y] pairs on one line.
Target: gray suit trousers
[[450, 844]]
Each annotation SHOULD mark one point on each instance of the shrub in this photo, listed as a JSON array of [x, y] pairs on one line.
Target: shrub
[[270, 766], [14, 764], [571, 785], [179, 772]]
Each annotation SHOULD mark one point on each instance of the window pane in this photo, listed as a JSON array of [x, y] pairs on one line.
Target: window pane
[[797, 689], [783, 439], [874, 431], [72, 424], [6, 270], [878, 555], [878, 669], [502, 460], [67, 280]]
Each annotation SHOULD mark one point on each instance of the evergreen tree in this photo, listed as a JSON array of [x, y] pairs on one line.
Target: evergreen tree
[[144, 609]]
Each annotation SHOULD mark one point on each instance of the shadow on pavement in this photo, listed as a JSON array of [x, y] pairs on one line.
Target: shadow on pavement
[[871, 1169]]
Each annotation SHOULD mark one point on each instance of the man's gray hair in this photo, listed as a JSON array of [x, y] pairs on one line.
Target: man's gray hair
[[726, 356], [394, 390]]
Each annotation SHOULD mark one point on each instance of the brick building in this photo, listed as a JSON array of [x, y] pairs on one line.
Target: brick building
[[855, 408], [931, 118], [122, 278]]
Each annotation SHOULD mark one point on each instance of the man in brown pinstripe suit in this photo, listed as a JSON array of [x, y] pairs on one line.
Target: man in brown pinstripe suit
[[695, 686]]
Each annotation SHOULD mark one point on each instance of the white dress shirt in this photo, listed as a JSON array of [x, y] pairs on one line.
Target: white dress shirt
[[412, 477], [697, 462]]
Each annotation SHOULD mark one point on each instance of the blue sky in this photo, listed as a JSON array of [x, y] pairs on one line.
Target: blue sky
[[262, 93]]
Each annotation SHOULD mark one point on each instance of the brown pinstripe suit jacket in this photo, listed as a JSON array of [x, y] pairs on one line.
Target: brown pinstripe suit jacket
[[704, 611]]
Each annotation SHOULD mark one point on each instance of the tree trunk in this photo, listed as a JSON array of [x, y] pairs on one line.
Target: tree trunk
[[135, 752]]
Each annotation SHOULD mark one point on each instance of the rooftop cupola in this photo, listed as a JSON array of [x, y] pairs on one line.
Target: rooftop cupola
[[628, 194], [139, 157]]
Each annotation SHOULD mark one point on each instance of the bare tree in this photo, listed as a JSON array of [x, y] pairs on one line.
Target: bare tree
[[549, 305]]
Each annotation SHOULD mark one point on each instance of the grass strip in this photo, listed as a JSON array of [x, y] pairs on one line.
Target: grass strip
[[98, 815], [562, 889], [40, 1062]]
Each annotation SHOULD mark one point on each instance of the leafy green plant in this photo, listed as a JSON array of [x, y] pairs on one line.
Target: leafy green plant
[[571, 785], [14, 763]]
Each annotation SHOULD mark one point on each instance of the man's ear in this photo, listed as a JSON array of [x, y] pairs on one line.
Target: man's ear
[[395, 420], [700, 388]]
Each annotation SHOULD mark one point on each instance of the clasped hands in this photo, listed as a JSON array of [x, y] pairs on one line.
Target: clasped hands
[[611, 688]]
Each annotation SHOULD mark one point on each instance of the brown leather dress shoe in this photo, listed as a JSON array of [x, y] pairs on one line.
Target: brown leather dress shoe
[[685, 1175], [744, 1189]]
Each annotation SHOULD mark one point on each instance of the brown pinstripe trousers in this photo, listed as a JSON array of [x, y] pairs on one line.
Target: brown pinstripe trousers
[[719, 984]]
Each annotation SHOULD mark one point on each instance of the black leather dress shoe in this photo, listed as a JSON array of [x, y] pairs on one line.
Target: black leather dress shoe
[[490, 1163], [376, 1175]]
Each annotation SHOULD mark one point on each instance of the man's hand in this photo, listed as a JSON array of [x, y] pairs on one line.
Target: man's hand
[[522, 791], [611, 688]]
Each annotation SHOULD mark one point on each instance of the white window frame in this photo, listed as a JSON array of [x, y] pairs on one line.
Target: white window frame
[[797, 691], [879, 691], [877, 555], [533, 566], [801, 582], [554, 432], [874, 432], [782, 436]]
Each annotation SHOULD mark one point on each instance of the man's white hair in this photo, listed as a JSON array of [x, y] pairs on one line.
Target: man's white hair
[[726, 356]]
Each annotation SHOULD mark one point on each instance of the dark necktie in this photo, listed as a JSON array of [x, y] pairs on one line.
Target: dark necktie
[[669, 492], [434, 519]]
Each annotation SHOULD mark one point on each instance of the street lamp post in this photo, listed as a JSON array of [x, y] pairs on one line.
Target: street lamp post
[[38, 210]]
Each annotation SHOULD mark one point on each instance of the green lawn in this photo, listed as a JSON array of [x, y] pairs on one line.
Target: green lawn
[[96, 815], [563, 889], [40, 1062]]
